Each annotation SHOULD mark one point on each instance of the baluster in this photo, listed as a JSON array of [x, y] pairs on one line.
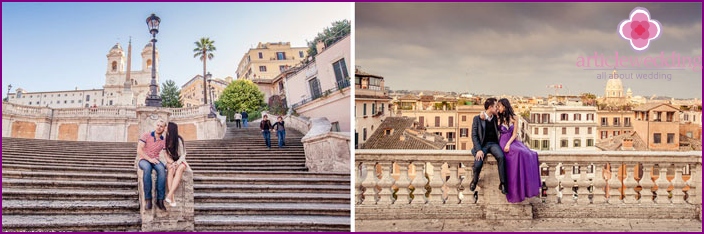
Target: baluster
[[583, 190], [646, 194], [567, 186], [402, 196], [694, 182], [369, 184], [678, 184], [630, 190], [452, 184], [419, 184], [436, 184], [599, 183], [551, 183], [467, 195], [357, 185], [385, 183], [614, 185], [663, 184]]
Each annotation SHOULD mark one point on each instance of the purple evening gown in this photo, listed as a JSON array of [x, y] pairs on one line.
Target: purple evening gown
[[522, 168]]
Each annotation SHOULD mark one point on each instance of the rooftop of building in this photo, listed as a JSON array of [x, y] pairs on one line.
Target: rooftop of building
[[402, 133]]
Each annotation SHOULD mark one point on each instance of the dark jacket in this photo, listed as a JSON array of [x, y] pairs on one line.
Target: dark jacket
[[265, 125], [244, 115], [279, 126], [478, 129]]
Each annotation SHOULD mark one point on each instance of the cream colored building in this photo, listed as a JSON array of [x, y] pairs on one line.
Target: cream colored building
[[561, 128], [372, 105], [123, 87], [268, 60], [465, 115], [613, 123], [321, 88], [192, 91]]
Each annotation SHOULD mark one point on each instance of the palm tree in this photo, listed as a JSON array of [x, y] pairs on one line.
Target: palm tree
[[204, 49]]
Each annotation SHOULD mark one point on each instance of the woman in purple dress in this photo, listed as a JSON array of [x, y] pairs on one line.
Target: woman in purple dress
[[522, 167]]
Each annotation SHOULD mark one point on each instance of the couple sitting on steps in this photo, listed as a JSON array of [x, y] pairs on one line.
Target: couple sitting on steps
[[163, 152], [495, 131]]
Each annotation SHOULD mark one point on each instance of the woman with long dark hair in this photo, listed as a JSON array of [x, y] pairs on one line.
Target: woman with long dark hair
[[522, 166], [176, 161]]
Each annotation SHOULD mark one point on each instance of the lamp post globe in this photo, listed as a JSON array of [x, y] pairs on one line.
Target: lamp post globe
[[153, 98]]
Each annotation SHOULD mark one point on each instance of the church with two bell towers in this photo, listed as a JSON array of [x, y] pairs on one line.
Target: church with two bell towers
[[123, 86]]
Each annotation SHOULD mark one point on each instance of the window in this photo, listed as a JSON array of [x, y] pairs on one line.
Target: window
[[686, 117], [364, 134], [604, 121], [563, 117], [114, 66], [546, 118], [464, 132], [616, 122], [340, 68], [364, 109], [670, 116], [616, 133], [373, 108], [590, 142], [67, 101], [421, 121], [564, 131], [382, 109], [576, 130], [280, 56], [589, 130], [87, 98], [535, 131], [451, 121], [590, 117], [374, 84], [627, 122], [577, 143], [282, 68], [546, 144], [261, 56], [578, 117], [110, 102], [464, 118], [670, 138], [30, 103], [149, 63], [437, 121], [450, 136], [315, 91], [387, 132], [72, 101], [262, 68], [657, 116], [536, 144], [450, 147], [563, 143], [300, 54], [545, 131], [656, 138]]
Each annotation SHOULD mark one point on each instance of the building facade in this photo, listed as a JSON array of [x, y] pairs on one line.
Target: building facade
[[658, 126], [268, 60], [613, 123], [372, 105], [465, 117], [561, 128], [192, 93]]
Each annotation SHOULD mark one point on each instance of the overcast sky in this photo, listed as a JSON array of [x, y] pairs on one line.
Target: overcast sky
[[518, 48], [60, 46]]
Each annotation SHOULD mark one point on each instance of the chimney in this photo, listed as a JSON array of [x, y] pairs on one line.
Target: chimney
[[320, 46], [627, 144]]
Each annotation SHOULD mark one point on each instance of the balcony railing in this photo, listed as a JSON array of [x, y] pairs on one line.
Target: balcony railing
[[653, 187], [344, 83]]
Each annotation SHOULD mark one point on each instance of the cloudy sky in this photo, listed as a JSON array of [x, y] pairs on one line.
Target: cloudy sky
[[61, 46], [519, 49]]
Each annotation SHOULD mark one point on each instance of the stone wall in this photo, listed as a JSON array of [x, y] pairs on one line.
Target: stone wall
[[178, 218], [326, 151]]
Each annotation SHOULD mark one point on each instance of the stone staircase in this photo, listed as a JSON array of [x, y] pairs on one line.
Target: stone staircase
[[239, 185]]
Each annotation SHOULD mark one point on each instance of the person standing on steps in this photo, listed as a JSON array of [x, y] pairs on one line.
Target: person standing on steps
[[245, 117], [265, 126], [150, 145], [175, 159], [238, 119], [280, 131]]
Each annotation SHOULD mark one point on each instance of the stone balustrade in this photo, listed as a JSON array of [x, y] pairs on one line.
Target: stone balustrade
[[189, 112], [110, 112], [300, 124], [22, 110], [326, 151], [624, 188]]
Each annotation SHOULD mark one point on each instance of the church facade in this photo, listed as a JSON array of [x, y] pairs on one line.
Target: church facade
[[123, 87]]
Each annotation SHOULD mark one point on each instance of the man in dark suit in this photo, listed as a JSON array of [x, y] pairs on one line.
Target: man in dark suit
[[485, 137]]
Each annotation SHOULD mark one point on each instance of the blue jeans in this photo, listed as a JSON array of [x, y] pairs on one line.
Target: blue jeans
[[147, 167], [267, 138], [281, 134], [244, 122]]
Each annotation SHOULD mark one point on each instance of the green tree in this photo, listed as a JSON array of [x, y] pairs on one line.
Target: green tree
[[242, 95], [329, 35], [204, 51], [170, 95]]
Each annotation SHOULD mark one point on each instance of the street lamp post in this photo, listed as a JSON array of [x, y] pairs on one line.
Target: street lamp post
[[153, 98], [209, 92], [8, 92]]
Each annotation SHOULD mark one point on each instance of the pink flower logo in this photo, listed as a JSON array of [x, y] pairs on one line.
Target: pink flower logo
[[639, 29]]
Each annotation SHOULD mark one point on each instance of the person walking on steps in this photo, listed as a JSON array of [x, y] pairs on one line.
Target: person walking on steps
[[238, 120], [265, 126], [245, 117], [280, 131]]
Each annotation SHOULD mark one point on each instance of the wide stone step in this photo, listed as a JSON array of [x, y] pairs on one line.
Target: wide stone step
[[272, 209], [255, 180], [274, 188], [58, 161], [194, 161], [68, 176], [280, 168], [202, 198], [64, 184], [71, 158], [67, 194], [281, 223], [269, 174], [73, 169], [62, 207], [87, 155], [73, 223]]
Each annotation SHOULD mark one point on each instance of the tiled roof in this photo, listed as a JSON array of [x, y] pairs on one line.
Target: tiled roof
[[372, 97], [615, 143], [650, 106], [401, 137]]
